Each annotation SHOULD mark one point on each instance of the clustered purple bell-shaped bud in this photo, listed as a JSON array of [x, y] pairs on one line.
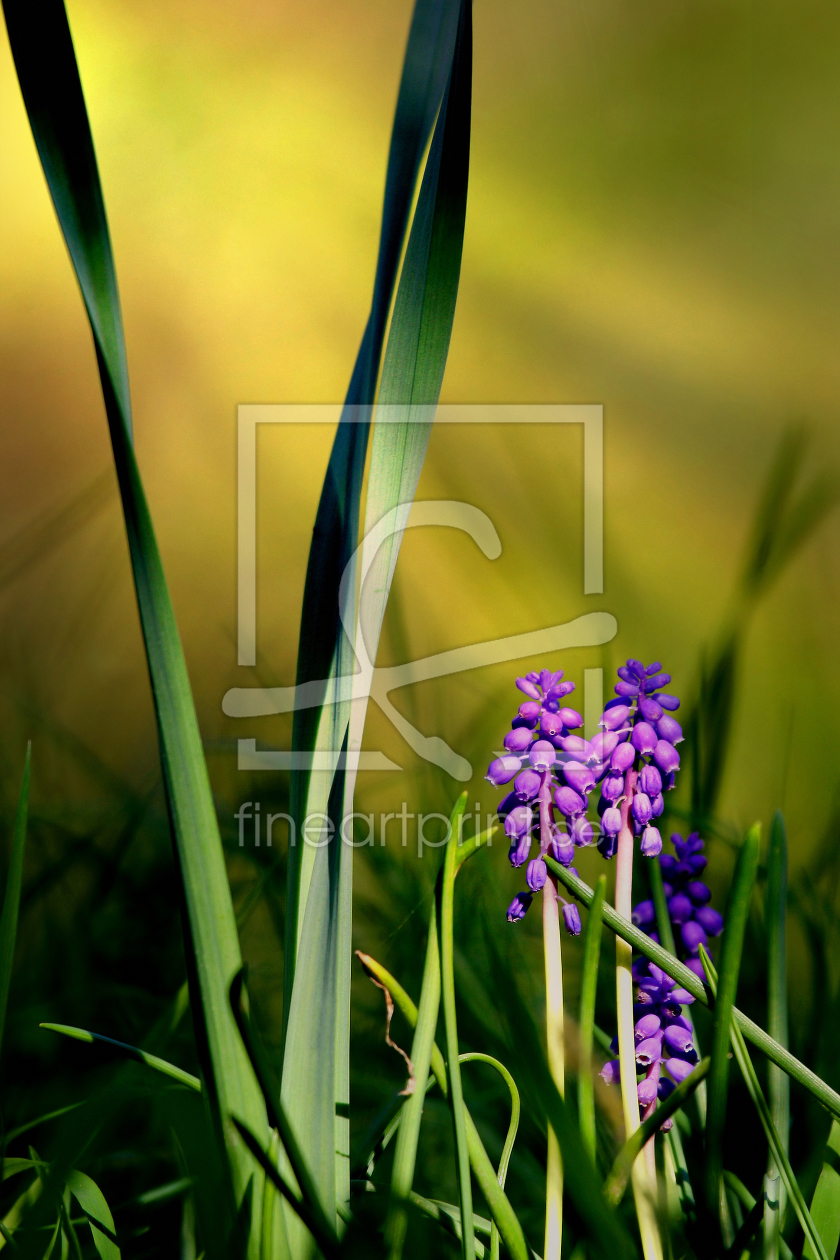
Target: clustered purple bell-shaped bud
[[664, 1040], [639, 745], [692, 918]]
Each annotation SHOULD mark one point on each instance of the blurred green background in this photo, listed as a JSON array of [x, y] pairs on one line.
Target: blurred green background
[[652, 225]]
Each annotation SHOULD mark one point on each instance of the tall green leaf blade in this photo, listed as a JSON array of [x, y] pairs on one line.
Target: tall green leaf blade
[[93, 1203], [586, 1027], [11, 897], [778, 1083], [825, 1205], [45, 61]]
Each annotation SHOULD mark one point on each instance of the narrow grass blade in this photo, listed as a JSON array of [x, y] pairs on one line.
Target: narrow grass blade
[[33, 1124], [93, 1204], [586, 1026], [129, 1052], [825, 1205], [616, 1182], [777, 1054], [746, 1199], [326, 1240], [405, 1155], [515, 1107], [45, 61], [737, 911], [498, 1202], [446, 912], [11, 897], [759, 1102], [778, 1084]]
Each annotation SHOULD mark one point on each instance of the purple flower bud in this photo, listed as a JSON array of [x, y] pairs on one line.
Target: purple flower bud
[[518, 908], [647, 1089], [578, 777], [695, 965], [678, 1039], [657, 682], [527, 784], [535, 875], [571, 918], [603, 745], [528, 685], [649, 1051], [668, 702], [683, 997], [668, 728], [571, 718], [561, 847], [569, 802], [529, 710], [643, 914], [693, 936], [710, 920], [641, 808], [666, 756], [506, 804], [680, 908], [678, 1069], [611, 1072], [564, 689], [542, 756], [502, 770], [576, 745], [666, 1087], [612, 787], [657, 806], [518, 822], [520, 847], [667, 862], [517, 741], [651, 842], [649, 709], [654, 668], [644, 737], [613, 718], [623, 758], [650, 781], [611, 821], [697, 863], [699, 892], [647, 1026], [581, 832], [626, 689], [551, 725], [533, 676]]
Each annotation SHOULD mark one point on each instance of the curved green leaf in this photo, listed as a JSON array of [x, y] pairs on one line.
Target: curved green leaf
[[129, 1052], [507, 1149], [93, 1204]]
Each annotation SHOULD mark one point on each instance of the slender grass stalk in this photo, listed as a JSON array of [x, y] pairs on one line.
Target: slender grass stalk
[[556, 1065], [11, 897], [498, 1202], [778, 1084], [742, 1194], [515, 1108], [623, 928], [644, 1192], [588, 992], [446, 893], [737, 911], [405, 1155], [825, 1205], [774, 1141]]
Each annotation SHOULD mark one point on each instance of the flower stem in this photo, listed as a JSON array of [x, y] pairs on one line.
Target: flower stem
[[643, 1188], [553, 1030]]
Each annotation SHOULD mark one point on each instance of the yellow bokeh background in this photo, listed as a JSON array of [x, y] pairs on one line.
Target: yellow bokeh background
[[652, 225]]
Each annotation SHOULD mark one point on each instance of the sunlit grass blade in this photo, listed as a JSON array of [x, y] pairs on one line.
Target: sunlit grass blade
[[778, 1083], [760, 1103], [498, 1202], [326, 1240], [93, 1204], [11, 897], [515, 1109], [45, 61], [825, 1205], [405, 1155], [740, 1191], [446, 916], [737, 912], [129, 1052], [448, 1216], [616, 1182], [586, 1026], [777, 1054]]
